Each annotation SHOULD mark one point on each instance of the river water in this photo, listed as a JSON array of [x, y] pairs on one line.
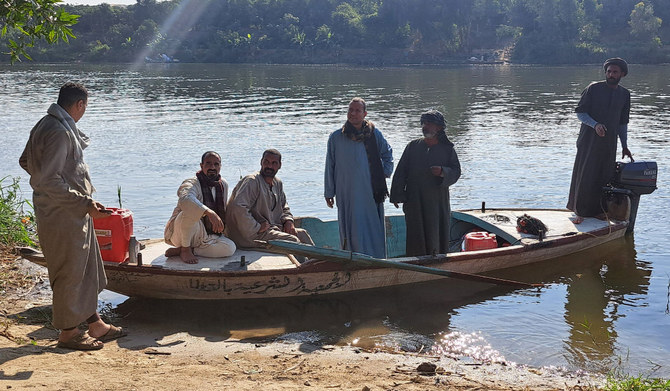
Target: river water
[[514, 130]]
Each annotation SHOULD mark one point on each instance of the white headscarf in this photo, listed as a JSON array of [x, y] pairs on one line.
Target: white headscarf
[[77, 135]]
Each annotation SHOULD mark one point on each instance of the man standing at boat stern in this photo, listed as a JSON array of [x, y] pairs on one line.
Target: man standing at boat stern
[[428, 166], [258, 209], [358, 162], [198, 221], [603, 110], [64, 211]]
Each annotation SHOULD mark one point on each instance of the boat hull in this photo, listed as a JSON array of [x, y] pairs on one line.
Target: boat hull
[[316, 277]]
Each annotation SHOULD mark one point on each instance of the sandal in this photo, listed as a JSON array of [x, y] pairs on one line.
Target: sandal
[[81, 341], [113, 333]]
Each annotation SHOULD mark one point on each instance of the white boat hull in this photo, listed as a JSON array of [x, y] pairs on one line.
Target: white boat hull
[[266, 275]]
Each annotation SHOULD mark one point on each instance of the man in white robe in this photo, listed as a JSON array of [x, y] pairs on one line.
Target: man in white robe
[[258, 209], [197, 223], [64, 211]]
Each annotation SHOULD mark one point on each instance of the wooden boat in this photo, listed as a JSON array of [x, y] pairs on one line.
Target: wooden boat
[[256, 273]]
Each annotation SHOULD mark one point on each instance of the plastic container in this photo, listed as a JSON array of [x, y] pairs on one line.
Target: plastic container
[[474, 241], [113, 234]]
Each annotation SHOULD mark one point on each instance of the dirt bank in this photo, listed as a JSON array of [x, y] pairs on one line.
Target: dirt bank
[[149, 358]]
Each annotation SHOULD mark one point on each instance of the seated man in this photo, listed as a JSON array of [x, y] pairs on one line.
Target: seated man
[[258, 210], [197, 223]]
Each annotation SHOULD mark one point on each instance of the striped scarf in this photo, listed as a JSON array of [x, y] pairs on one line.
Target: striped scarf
[[366, 135]]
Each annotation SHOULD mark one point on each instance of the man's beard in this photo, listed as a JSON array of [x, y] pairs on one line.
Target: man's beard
[[268, 173], [427, 134], [613, 81], [212, 174]]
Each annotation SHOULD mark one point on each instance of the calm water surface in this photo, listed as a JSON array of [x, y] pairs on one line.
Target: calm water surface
[[514, 130]]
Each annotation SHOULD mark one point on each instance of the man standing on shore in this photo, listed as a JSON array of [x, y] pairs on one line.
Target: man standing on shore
[[358, 162], [64, 211], [603, 110]]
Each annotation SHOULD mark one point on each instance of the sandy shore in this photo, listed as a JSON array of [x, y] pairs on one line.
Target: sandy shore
[[149, 358]]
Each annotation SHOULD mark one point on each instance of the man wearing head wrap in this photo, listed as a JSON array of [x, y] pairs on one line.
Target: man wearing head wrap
[[428, 166], [358, 162], [603, 110]]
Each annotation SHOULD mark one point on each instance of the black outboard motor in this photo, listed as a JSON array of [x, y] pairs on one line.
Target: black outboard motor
[[633, 179]]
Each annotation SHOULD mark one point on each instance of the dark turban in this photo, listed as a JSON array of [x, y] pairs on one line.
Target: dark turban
[[435, 117], [618, 62]]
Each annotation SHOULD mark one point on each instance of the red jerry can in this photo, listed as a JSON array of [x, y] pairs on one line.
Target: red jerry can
[[479, 241], [114, 234]]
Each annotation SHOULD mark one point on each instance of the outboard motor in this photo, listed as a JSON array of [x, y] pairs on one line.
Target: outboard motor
[[633, 179]]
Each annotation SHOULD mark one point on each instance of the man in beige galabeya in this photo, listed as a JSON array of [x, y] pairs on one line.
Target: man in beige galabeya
[[64, 211], [258, 209]]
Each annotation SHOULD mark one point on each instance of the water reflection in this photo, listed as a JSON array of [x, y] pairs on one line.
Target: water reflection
[[601, 286], [595, 298], [404, 318]]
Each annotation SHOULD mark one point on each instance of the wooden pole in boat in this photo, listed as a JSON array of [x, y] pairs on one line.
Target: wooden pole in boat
[[329, 254], [293, 259]]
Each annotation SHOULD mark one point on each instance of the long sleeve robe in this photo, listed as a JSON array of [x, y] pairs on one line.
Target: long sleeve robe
[[595, 162], [425, 197], [62, 189], [347, 178], [185, 227], [254, 202]]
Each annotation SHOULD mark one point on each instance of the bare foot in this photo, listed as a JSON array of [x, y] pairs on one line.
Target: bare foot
[[173, 252], [577, 219], [187, 255]]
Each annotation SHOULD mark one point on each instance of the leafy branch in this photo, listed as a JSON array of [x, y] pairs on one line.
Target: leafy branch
[[26, 21]]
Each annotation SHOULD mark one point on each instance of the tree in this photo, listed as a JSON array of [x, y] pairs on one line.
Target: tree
[[348, 24], [33, 20], [323, 36], [589, 22], [644, 25]]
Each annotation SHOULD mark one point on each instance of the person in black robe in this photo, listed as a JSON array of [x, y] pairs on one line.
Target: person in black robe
[[428, 166], [604, 110]]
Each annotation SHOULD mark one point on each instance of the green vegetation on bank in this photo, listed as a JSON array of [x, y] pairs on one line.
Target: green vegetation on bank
[[370, 32], [639, 383], [16, 225]]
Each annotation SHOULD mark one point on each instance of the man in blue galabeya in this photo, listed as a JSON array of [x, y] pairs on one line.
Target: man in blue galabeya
[[358, 162]]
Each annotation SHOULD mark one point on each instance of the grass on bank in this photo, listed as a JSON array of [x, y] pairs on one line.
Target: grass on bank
[[638, 383], [16, 224], [16, 229]]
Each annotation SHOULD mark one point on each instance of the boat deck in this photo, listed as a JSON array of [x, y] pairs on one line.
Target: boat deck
[[503, 223], [500, 222], [154, 255]]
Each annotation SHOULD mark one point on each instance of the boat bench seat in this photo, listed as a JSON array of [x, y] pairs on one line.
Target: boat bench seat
[[154, 255]]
